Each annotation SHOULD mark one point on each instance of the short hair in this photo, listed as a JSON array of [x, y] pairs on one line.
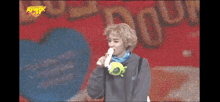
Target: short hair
[[125, 32]]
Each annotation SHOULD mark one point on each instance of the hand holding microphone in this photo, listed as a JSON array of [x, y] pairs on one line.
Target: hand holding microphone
[[105, 60], [114, 68]]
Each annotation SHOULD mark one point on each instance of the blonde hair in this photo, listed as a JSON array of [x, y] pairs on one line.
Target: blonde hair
[[125, 32]]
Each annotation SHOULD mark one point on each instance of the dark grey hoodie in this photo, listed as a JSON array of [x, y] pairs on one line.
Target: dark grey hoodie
[[133, 86]]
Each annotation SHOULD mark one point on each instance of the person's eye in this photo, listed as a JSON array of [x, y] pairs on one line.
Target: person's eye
[[116, 41]]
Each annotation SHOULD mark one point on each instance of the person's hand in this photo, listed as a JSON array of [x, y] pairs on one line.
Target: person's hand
[[102, 60]]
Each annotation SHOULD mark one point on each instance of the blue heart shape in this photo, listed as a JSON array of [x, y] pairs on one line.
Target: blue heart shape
[[53, 69]]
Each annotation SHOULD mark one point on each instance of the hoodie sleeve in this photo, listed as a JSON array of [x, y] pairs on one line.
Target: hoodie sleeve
[[95, 87], [142, 87]]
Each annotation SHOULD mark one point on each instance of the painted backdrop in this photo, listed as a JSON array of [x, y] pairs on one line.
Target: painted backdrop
[[59, 49]]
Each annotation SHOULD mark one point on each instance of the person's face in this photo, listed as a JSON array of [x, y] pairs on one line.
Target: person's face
[[117, 44]]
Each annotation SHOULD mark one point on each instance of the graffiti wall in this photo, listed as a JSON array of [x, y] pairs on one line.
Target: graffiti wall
[[60, 45]]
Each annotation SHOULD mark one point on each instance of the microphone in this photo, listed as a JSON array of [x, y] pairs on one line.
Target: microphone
[[108, 58]]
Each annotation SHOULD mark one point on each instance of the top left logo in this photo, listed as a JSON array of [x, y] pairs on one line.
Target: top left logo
[[35, 10]]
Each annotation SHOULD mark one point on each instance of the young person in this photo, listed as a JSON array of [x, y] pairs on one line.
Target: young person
[[134, 85]]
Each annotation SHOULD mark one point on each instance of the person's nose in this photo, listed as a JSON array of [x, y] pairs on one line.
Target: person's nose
[[111, 44]]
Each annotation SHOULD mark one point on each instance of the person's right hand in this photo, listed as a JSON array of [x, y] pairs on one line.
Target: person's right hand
[[102, 60]]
